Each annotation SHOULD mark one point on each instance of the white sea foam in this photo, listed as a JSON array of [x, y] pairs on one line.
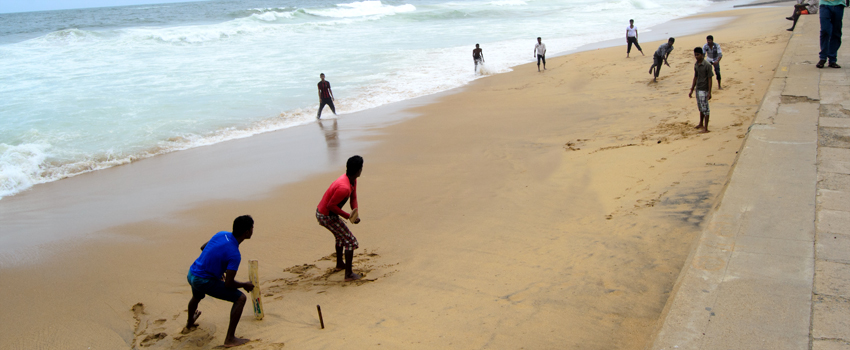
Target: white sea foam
[[271, 16], [20, 166], [79, 100], [509, 3], [362, 9]]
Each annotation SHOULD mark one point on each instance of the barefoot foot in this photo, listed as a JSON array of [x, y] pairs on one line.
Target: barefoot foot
[[191, 324], [352, 277], [235, 342]]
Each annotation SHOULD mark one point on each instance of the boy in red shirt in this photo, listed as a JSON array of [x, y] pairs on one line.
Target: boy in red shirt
[[330, 209]]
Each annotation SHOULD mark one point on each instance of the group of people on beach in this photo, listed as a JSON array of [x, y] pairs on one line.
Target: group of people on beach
[[213, 272], [707, 66]]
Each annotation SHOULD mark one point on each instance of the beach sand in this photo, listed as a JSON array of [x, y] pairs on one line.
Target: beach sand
[[529, 210]]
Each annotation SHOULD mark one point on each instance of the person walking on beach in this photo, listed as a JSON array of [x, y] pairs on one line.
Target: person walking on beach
[[330, 209], [632, 38], [713, 55], [831, 13], [213, 274], [660, 56], [540, 53], [477, 56], [702, 82], [326, 96]]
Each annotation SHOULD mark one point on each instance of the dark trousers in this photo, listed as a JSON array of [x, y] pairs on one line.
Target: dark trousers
[[632, 40], [326, 101], [541, 57], [830, 31], [657, 62], [716, 70]]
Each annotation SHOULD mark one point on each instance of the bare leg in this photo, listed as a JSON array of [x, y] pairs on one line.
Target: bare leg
[[230, 340], [706, 125], [193, 313], [340, 265], [349, 261]]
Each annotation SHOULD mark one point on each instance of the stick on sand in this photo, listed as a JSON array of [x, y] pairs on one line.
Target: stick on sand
[[321, 320]]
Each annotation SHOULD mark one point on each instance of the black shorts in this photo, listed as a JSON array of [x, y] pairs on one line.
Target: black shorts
[[202, 287]]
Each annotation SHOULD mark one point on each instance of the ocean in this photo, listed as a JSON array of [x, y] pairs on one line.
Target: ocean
[[88, 89]]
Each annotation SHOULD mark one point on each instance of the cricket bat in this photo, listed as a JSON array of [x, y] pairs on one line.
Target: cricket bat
[[355, 214], [255, 293]]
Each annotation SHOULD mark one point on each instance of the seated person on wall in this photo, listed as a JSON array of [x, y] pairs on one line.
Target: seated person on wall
[[802, 8]]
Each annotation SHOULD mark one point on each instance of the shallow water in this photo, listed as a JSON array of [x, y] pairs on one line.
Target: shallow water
[[90, 89]]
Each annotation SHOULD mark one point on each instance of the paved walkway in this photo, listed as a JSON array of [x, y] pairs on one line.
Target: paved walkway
[[772, 267]]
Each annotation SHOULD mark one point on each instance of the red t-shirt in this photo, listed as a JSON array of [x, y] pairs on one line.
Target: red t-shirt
[[325, 89], [336, 196]]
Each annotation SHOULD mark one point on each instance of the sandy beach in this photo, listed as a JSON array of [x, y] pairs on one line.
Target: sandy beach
[[528, 210]]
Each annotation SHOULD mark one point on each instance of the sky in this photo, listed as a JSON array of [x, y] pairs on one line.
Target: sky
[[7, 6]]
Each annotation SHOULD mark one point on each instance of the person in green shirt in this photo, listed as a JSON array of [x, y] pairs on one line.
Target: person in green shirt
[[702, 83]]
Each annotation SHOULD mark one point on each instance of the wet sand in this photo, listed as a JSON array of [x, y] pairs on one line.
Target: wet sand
[[529, 210]]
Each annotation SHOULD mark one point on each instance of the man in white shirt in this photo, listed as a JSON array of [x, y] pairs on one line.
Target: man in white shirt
[[713, 54], [540, 53], [632, 38]]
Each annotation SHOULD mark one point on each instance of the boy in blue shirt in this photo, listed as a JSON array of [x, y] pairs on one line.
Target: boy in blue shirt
[[213, 274]]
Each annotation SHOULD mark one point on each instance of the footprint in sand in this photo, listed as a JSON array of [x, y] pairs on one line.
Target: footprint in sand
[[323, 275]]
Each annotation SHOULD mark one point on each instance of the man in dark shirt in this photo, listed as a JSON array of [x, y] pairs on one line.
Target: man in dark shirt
[[660, 57], [477, 56], [213, 274], [702, 82], [326, 96]]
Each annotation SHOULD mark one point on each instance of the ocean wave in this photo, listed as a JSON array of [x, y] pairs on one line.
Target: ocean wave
[[70, 35], [508, 3], [272, 16], [20, 166], [361, 9], [624, 5], [25, 165]]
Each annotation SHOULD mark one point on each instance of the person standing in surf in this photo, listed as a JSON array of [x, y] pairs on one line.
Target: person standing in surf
[[632, 38], [213, 274], [477, 56], [660, 57], [330, 209], [326, 96], [540, 53]]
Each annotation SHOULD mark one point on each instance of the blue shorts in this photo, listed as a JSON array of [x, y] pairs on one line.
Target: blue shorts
[[202, 287]]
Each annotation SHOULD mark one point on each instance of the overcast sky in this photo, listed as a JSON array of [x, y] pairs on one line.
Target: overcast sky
[[45, 5]]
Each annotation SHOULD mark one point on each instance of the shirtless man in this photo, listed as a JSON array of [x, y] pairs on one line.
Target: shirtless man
[[477, 56], [219, 258]]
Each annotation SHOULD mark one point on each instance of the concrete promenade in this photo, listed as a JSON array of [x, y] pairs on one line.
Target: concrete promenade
[[771, 269]]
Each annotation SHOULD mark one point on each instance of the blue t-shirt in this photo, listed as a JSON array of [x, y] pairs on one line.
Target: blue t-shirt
[[220, 254]]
